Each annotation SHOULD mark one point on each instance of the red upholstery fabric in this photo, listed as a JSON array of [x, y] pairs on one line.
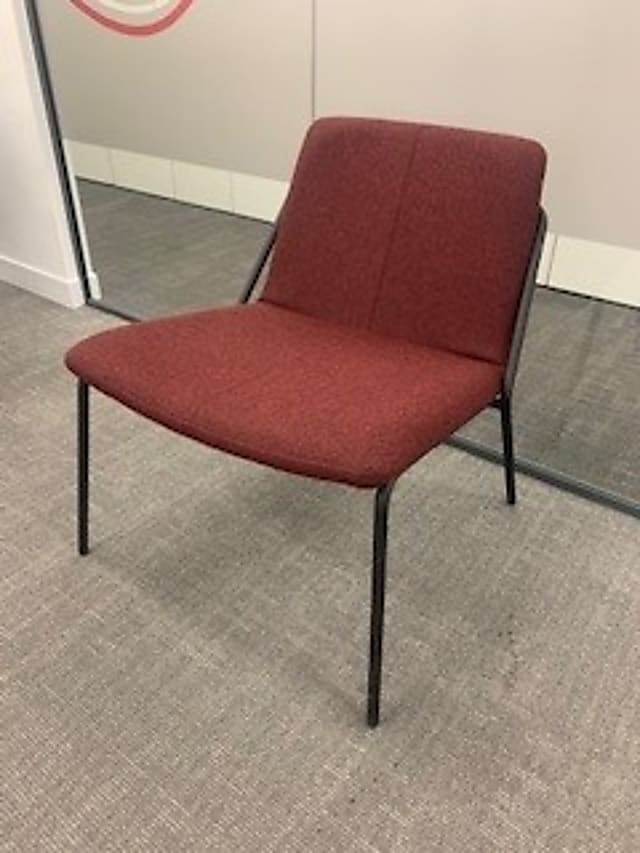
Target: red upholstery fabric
[[386, 319], [415, 231], [288, 390]]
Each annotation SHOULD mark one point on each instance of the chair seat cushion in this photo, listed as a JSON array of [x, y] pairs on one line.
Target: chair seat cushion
[[288, 390]]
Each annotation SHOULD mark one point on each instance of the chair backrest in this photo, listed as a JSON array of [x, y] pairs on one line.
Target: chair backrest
[[415, 231]]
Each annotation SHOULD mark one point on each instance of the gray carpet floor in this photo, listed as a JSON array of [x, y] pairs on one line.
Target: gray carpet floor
[[196, 683], [577, 405]]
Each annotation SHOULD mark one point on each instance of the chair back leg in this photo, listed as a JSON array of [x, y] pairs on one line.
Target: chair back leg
[[507, 443], [378, 580], [83, 468]]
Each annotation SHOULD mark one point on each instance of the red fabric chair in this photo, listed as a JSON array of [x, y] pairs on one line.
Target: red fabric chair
[[394, 307]]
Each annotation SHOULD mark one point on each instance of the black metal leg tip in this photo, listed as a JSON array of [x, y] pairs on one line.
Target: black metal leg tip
[[83, 549], [373, 718]]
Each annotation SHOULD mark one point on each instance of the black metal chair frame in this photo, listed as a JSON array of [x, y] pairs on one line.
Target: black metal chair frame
[[383, 493]]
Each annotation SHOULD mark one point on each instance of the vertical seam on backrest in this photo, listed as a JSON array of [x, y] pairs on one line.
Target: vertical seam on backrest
[[394, 229]]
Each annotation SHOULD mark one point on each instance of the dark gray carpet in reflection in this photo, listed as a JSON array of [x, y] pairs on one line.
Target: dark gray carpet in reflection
[[577, 400], [156, 256], [577, 404]]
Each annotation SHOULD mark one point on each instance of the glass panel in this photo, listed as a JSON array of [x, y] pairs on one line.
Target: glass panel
[[157, 256], [577, 397], [183, 141]]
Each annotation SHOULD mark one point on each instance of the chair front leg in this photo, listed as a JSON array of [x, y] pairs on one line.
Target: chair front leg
[[378, 579], [507, 443], [83, 468]]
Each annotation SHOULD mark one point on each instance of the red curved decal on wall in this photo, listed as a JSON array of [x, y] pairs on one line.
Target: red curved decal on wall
[[109, 18]]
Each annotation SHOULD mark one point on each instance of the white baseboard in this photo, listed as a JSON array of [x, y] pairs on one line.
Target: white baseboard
[[66, 292], [546, 259], [596, 269], [260, 198], [152, 175], [205, 186], [90, 161], [95, 291]]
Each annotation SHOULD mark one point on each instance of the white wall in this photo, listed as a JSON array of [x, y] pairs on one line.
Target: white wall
[[35, 248], [566, 72]]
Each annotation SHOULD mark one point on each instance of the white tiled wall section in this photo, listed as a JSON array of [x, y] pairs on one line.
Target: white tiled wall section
[[203, 185], [219, 189], [597, 269], [152, 175]]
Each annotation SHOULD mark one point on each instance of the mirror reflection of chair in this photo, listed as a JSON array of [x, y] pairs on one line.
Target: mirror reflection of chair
[[394, 309]]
